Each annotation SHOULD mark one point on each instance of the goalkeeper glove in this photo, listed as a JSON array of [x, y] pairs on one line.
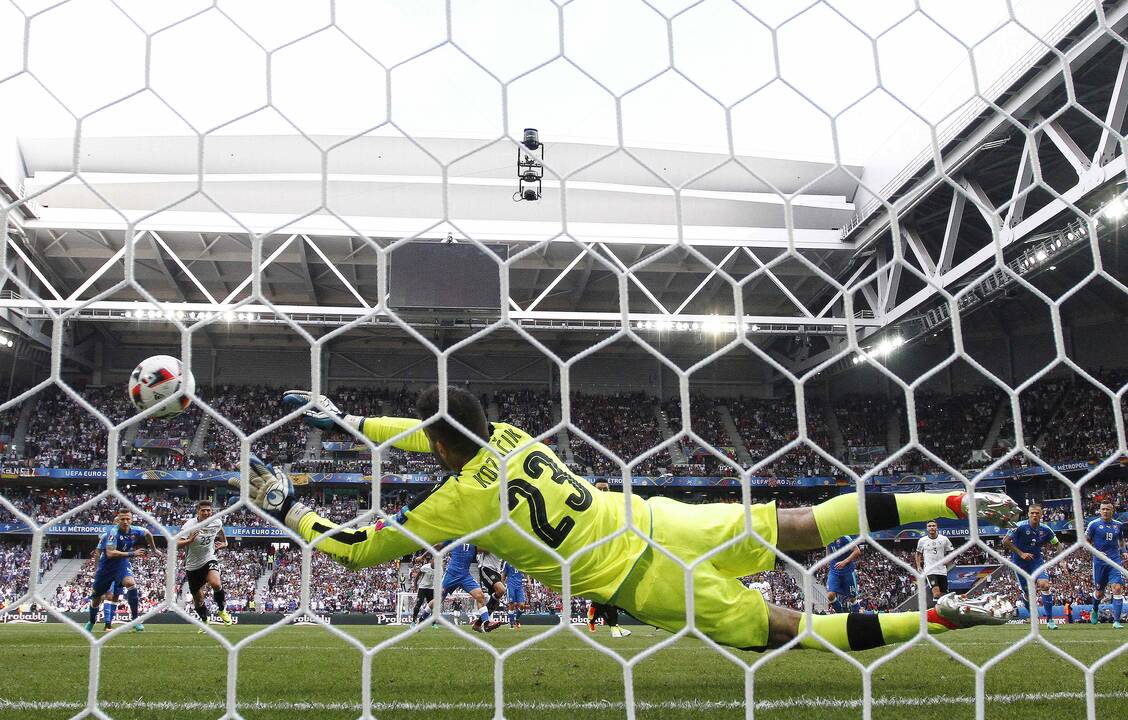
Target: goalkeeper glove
[[272, 490], [324, 415]]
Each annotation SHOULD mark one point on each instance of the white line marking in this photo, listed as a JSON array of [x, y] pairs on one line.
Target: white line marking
[[812, 702]]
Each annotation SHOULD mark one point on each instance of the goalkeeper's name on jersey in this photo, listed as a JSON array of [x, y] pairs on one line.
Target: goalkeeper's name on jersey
[[556, 514], [505, 439]]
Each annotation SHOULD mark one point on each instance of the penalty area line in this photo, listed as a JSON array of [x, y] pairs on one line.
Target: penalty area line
[[703, 705]]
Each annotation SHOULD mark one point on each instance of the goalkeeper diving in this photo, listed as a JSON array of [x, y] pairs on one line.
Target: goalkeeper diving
[[562, 512]]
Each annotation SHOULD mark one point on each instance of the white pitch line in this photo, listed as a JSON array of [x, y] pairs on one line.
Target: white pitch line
[[812, 702]]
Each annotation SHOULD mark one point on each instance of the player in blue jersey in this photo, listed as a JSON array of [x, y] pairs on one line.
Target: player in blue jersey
[[458, 577], [842, 574], [515, 598], [1025, 543], [1107, 536], [114, 573]]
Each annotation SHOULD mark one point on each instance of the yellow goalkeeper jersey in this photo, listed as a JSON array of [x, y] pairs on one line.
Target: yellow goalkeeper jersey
[[555, 510]]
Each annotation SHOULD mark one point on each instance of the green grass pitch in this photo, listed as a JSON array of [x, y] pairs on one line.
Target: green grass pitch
[[172, 673]]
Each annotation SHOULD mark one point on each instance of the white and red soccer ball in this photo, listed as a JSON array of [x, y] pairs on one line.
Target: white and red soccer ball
[[155, 380]]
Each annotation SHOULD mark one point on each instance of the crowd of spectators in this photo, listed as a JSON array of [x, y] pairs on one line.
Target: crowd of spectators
[[951, 426], [336, 589], [624, 423], [706, 423], [15, 560], [1070, 418], [241, 568], [883, 584], [767, 425], [1084, 427], [530, 410]]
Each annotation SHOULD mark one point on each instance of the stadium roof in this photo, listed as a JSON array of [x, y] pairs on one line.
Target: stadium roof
[[759, 175]]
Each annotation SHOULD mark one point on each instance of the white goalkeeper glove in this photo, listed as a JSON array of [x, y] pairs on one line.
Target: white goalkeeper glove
[[324, 414], [272, 490]]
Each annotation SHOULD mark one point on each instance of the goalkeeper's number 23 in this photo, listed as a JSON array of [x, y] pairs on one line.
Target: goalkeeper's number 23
[[536, 463]]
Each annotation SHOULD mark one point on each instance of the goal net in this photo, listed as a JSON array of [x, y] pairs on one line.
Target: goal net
[[719, 252]]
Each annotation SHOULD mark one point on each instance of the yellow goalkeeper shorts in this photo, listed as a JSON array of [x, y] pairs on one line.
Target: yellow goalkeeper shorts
[[724, 609]]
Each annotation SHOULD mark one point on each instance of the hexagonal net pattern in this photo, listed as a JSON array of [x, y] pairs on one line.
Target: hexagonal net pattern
[[1010, 176]]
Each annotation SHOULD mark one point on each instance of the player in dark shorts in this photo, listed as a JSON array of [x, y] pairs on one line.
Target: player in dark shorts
[[610, 615], [490, 575], [424, 587]]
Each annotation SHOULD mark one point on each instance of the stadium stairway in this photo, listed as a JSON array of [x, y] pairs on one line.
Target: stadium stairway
[[1049, 418], [22, 424], [129, 436], [261, 586], [313, 444], [197, 446], [677, 454], [837, 440], [563, 441], [818, 589], [893, 429], [64, 570], [493, 413], [996, 427], [742, 455]]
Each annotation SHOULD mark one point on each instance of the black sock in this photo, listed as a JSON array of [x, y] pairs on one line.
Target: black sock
[[202, 611], [220, 599], [611, 615], [881, 510], [863, 631]]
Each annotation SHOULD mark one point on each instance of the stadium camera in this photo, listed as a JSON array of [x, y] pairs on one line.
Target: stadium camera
[[532, 139], [530, 167]]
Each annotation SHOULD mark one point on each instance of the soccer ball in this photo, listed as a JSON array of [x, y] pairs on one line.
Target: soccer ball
[[155, 379]]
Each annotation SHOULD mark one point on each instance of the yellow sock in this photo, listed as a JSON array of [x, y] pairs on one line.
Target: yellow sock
[[862, 631], [839, 516]]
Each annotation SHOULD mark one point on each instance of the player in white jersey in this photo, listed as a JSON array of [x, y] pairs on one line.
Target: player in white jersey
[[424, 574], [200, 537], [490, 575], [764, 587], [930, 552]]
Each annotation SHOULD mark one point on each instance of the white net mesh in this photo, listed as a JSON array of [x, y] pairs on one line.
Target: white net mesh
[[738, 197]]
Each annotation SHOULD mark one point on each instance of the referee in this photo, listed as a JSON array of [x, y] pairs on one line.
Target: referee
[[930, 553]]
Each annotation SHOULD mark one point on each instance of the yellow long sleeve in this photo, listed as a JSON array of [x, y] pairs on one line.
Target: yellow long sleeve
[[380, 429]]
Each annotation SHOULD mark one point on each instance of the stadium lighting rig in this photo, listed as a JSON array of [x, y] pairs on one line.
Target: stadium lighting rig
[[883, 349], [170, 315], [6, 341], [712, 325], [530, 167], [1041, 253]]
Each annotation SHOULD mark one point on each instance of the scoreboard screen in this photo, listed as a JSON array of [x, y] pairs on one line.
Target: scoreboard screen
[[447, 276]]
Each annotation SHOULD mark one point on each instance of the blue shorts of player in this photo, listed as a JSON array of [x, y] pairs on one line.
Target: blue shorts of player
[[459, 582], [106, 581], [845, 584], [1034, 567], [515, 590], [1105, 574]]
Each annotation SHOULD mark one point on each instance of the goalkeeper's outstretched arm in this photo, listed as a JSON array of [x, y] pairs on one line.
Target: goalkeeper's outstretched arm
[[432, 521], [325, 415]]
